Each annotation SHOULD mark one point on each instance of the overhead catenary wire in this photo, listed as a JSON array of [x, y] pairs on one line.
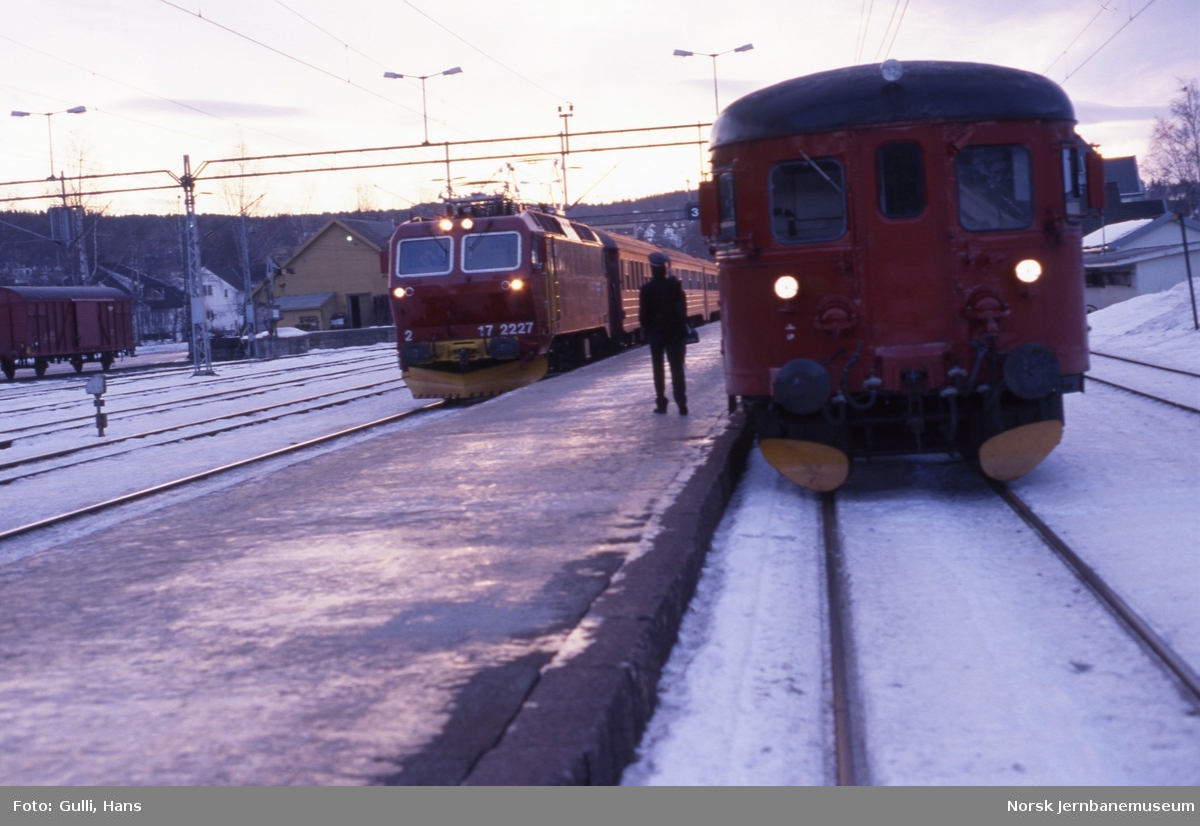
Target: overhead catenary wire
[[1132, 17], [886, 31], [287, 56], [552, 151], [895, 33]]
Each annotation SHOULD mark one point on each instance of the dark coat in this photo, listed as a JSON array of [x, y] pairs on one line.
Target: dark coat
[[662, 310]]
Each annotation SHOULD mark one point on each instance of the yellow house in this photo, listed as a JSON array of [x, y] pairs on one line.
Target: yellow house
[[335, 279]]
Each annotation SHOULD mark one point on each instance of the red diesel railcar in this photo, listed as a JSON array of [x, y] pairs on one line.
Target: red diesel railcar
[[900, 264], [41, 325], [494, 295]]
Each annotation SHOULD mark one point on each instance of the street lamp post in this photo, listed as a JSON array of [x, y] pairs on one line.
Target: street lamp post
[[424, 107], [685, 53], [74, 110]]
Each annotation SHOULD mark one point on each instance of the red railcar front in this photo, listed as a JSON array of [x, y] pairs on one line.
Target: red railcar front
[[900, 264]]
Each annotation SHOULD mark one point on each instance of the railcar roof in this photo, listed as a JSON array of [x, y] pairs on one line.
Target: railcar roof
[[60, 293], [613, 240], [859, 96]]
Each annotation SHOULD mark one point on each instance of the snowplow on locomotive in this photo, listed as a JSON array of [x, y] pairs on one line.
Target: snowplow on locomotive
[[900, 264], [494, 295]]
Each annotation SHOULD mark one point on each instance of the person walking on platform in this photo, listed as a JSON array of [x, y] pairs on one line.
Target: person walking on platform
[[662, 312]]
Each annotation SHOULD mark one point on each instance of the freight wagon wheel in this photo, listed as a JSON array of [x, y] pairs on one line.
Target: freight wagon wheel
[[106, 361], [10, 369], [77, 363], [39, 367]]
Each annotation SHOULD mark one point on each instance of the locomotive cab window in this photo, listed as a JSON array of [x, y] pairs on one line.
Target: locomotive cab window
[[995, 188], [491, 252], [425, 256], [808, 201], [901, 175]]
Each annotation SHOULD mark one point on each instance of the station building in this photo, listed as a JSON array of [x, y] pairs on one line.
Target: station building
[[335, 279]]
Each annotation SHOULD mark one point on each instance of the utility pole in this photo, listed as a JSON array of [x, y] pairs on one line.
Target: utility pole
[[251, 320], [565, 145], [201, 348]]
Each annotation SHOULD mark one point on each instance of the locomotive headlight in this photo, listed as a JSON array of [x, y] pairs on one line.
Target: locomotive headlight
[[467, 223], [786, 286], [518, 284], [402, 292], [1029, 271], [445, 225]]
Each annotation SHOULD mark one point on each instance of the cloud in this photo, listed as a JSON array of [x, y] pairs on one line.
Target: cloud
[[233, 109], [1088, 112]]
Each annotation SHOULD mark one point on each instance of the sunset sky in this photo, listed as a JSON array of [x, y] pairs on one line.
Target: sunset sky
[[218, 79]]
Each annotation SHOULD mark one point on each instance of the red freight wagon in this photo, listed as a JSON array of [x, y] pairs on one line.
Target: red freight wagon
[[40, 325]]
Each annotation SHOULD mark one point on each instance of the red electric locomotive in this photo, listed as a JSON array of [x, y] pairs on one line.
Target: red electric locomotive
[[900, 264], [494, 295]]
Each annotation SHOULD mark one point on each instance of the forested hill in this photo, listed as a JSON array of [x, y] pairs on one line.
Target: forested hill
[[153, 244]]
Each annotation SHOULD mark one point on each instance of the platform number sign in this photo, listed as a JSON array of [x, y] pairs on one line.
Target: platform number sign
[[693, 212]]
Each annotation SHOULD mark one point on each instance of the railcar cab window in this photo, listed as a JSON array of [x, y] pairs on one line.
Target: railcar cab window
[[491, 252], [901, 174], [995, 188], [808, 201], [726, 211], [1074, 180], [425, 256]]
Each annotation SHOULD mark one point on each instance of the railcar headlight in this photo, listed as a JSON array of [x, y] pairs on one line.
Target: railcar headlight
[[401, 292], [786, 286], [518, 284], [1029, 271], [467, 223], [445, 225]]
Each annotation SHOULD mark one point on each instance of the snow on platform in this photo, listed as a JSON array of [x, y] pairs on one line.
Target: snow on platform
[[376, 614]]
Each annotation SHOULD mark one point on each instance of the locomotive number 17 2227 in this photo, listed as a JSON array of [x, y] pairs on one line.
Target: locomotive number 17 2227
[[516, 328]]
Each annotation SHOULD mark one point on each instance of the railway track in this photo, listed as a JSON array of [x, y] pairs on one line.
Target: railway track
[[324, 401], [87, 420], [152, 490], [848, 717], [1166, 385], [149, 384]]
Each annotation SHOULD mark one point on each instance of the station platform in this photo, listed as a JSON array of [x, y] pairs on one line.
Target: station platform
[[485, 598]]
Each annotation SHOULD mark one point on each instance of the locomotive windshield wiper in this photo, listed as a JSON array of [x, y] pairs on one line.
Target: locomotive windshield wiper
[[820, 171]]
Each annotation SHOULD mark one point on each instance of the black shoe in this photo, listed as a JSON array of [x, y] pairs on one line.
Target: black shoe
[[683, 410], [661, 407]]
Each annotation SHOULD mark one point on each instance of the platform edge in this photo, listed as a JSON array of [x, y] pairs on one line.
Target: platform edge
[[582, 721]]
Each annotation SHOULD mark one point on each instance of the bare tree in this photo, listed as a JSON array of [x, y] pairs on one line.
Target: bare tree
[[1174, 160]]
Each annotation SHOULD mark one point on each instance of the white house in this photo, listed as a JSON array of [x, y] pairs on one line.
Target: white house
[[224, 301], [1138, 257]]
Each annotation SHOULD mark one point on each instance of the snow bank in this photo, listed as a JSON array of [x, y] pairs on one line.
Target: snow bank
[[1158, 328]]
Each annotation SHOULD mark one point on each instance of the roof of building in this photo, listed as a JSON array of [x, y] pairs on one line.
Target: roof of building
[[65, 293], [859, 96], [230, 275], [1124, 173], [1116, 245], [1123, 234], [1117, 211], [306, 301], [154, 293], [376, 234]]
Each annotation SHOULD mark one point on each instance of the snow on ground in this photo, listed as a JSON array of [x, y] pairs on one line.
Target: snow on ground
[[980, 659], [1157, 328], [365, 379]]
